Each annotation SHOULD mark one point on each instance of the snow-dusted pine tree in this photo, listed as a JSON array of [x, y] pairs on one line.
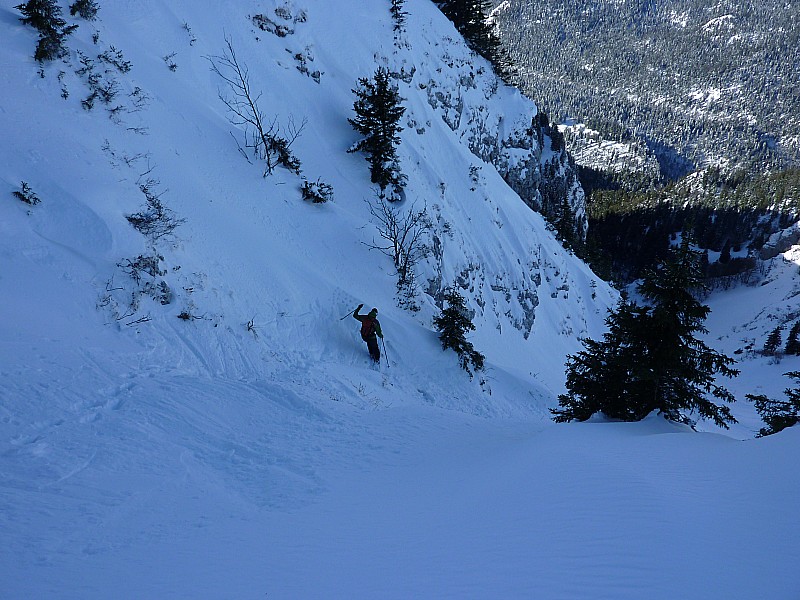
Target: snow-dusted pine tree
[[650, 359], [378, 109], [45, 17], [453, 324]]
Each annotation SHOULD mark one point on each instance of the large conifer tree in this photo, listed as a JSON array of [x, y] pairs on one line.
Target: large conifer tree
[[598, 378], [378, 111], [650, 358]]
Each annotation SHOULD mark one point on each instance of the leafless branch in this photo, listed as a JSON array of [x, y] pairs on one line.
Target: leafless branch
[[262, 137], [403, 234]]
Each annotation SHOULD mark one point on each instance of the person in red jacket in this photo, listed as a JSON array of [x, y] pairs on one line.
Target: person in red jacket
[[370, 331]]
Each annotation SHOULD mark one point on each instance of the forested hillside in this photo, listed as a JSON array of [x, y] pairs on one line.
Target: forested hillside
[[682, 117], [738, 222], [695, 83]]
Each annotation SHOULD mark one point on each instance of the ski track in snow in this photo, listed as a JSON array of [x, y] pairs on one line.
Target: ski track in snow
[[189, 479]]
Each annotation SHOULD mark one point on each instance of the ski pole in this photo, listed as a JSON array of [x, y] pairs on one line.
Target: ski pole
[[385, 354], [347, 315]]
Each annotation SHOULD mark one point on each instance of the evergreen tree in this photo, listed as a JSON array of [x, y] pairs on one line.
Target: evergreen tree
[[453, 323], [398, 14], [45, 17], [598, 377], [86, 9], [565, 225], [792, 343], [777, 414], [41, 14], [470, 19], [378, 111], [480, 33], [773, 342], [650, 358], [457, 11]]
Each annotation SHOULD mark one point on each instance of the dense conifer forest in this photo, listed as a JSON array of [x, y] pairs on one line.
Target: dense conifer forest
[[699, 84], [681, 116], [733, 220]]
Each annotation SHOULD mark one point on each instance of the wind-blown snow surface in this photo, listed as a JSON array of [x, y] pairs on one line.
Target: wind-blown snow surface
[[200, 459]]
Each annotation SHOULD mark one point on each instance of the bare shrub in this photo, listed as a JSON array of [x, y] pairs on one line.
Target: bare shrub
[[404, 236], [263, 138]]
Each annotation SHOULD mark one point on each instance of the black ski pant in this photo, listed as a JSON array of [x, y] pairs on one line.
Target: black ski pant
[[374, 349]]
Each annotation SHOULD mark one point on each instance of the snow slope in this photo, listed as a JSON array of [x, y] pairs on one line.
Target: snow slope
[[146, 456]]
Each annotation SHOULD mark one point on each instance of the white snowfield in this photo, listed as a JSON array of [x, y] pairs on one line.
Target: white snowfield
[[251, 450]]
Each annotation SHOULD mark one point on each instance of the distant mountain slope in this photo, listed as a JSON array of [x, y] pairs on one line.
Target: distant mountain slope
[[700, 84]]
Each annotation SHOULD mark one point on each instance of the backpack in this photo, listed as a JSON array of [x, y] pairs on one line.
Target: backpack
[[367, 329]]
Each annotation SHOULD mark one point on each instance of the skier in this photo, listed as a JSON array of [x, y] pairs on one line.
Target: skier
[[370, 331]]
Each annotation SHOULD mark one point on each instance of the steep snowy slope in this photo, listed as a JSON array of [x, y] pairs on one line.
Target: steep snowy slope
[[250, 448], [743, 317], [248, 244]]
